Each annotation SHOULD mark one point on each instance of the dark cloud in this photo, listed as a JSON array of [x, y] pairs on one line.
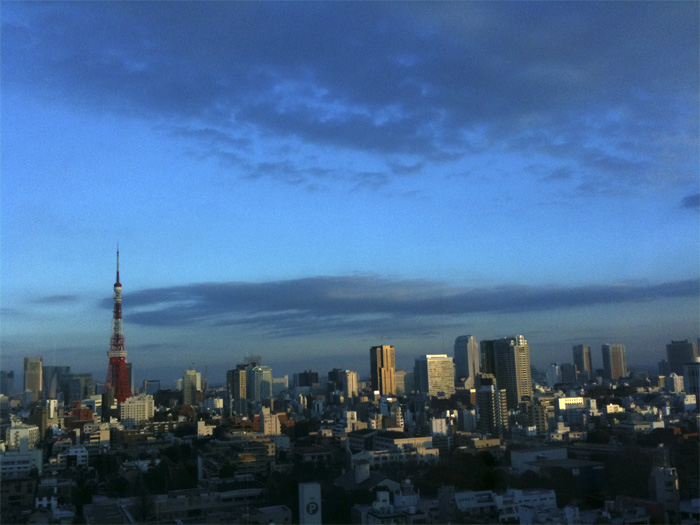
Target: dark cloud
[[614, 83], [364, 304], [691, 201], [56, 299]]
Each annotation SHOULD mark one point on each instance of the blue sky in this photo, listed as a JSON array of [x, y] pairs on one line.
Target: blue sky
[[306, 180]]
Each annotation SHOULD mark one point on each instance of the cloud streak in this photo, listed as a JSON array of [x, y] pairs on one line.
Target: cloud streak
[[366, 304]]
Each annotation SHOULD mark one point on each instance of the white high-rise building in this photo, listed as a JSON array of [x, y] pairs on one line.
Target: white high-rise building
[[136, 410], [467, 359]]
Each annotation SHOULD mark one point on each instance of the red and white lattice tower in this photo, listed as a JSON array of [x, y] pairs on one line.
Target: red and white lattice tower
[[117, 376]]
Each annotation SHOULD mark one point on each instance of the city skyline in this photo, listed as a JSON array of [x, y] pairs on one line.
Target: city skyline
[[401, 175]]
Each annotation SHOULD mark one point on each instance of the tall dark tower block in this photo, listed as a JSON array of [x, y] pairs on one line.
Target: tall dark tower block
[[117, 375], [383, 370], [582, 360]]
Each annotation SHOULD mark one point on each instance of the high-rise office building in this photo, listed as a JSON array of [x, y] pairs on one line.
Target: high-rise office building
[[583, 362], [237, 388], [189, 387], [33, 376], [435, 374], [466, 359], [260, 383], [512, 355], [307, 378], [81, 387], [553, 375], [487, 356], [56, 382], [569, 373], [335, 382], [614, 361], [349, 381], [691, 378], [7, 382], [679, 353], [400, 381], [382, 370]]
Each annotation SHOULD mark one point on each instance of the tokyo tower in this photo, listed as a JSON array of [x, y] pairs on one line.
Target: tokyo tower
[[117, 376]]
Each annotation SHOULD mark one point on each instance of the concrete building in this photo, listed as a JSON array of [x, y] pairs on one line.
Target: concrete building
[[467, 363], [493, 410], [349, 381], [269, 423], [33, 376], [513, 374], [679, 353], [487, 356], [674, 383], [237, 390], [614, 361], [19, 463], [663, 488], [434, 374], [7, 382], [583, 362], [569, 373], [135, 410], [260, 384], [553, 375], [383, 369], [191, 384], [691, 378], [18, 432]]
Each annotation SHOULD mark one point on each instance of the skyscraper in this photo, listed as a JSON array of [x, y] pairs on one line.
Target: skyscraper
[[488, 356], [349, 380], [33, 376], [512, 356], [382, 369], [435, 374], [466, 359], [190, 387], [679, 353], [117, 375], [237, 387], [582, 360], [553, 375], [7, 382], [260, 384], [614, 361], [691, 378]]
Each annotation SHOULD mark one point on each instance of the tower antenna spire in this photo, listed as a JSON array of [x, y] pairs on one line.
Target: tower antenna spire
[[117, 262]]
